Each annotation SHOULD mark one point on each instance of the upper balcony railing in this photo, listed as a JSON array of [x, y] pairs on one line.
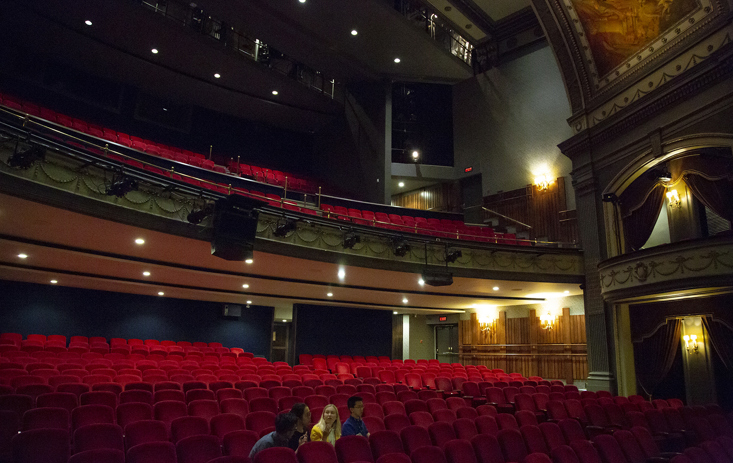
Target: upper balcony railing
[[448, 39], [195, 18]]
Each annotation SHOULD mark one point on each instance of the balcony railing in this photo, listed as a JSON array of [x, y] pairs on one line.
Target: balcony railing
[[198, 20]]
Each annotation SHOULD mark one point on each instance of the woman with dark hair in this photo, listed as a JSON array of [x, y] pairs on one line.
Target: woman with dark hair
[[302, 426]]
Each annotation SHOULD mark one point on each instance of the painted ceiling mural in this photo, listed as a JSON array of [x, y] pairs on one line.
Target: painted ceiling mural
[[616, 29]]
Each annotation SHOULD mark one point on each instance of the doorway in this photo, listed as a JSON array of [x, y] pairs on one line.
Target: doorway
[[446, 343], [280, 342]]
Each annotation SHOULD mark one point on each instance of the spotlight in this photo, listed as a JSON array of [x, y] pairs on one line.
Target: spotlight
[[350, 239], [26, 158], [415, 155], [609, 198], [121, 185], [196, 217], [451, 256], [400, 248], [284, 228]]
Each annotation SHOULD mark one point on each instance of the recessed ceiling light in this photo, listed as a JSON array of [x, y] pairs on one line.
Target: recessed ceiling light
[[396, 60], [248, 261], [495, 288], [53, 282], [329, 294], [354, 32], [88, 22], [249, 302], [23, 256], [342, 274], [421, 282], [139, 241], [161, 293], [146, 274], [285, 321], [394, 313], [566, 291], [154, 51], [245, 286], [217, 75], [401, 184], [404, 300], [274, 92], [301, 1]]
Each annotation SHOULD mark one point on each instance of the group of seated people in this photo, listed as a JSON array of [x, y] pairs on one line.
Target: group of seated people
[[291, 429]]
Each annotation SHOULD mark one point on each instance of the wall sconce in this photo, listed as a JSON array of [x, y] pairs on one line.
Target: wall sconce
[[690, 343], [486, 325], [547, 322], [674, 199], [543, 182]]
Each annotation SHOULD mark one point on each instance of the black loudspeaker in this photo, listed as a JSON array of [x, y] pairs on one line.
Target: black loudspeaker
[[235, 227]]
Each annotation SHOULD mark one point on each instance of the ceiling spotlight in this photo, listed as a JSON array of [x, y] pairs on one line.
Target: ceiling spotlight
[[245, 286], [88, 22], [495, 288], [26, 158], [401, 184], [342, 274], [421, 282], [394, 313], [301, 1], [400, 248], [396, 60], [404, 300], [146, 274], [139, 241], [248, 261], [23, 256], [274, 92], [350, 239], [329, 294], [161, 293], [415, 155], [217, 75], [121, 185], [451, 256], [284, 228], [53, 282], [354, 32], [249, 302], [197, 216], [285, 321], [154, 51]]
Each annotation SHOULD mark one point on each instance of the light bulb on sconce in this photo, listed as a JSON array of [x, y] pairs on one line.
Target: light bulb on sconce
[[486, 324], [543, 182], [674, 199], [691, 343], [548, 322]]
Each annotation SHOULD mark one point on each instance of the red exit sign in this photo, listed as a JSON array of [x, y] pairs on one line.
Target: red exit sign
[[442, 319], [468, 169]]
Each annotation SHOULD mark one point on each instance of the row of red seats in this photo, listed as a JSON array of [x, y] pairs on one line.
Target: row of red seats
[[441, 228], [273, 177], [154, 148], [17, 338]]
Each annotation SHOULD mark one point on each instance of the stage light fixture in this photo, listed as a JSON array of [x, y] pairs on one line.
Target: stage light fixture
[[26, 158], [284, 228], [452, 256], [400, 248], [121, 185], [350, 239], [198, 216]]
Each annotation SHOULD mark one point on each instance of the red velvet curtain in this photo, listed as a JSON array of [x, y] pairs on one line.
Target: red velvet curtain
[[653, 356], [721, 339], [639, 222], [715, 194]]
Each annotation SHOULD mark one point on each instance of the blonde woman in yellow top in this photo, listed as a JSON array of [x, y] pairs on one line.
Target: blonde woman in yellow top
[[328, 428]]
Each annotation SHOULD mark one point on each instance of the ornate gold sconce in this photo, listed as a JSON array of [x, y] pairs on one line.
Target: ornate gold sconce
[[543, 182], [548, 322], [674, 199], [486, 325], [691, 343]]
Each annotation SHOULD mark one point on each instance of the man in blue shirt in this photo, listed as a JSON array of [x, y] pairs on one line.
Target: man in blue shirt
[[354, 426], [284, 429]]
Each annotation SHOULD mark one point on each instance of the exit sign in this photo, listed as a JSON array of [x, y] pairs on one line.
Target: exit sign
[[468, 169], [442, 319]]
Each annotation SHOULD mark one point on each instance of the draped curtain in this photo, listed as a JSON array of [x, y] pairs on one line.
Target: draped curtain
[[720, 338], [639, 221], [654, 355], [715, 194]]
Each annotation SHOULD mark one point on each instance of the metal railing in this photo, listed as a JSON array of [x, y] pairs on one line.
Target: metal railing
[[450, 40], [198, 20]]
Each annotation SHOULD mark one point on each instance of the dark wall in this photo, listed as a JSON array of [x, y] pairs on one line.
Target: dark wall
[[30, 308], [342, 331]]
